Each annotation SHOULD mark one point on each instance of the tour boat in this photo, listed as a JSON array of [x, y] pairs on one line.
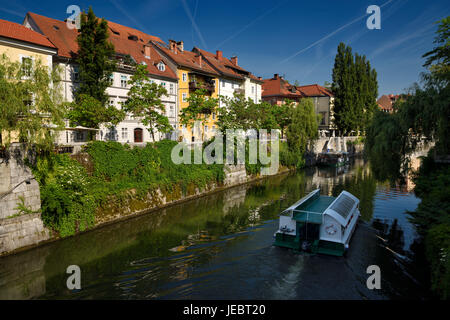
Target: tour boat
[[333, 159], [319, 224]]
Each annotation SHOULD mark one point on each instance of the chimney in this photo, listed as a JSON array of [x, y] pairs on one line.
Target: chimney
[[180, 45], [234, 60], [147, 51], [218, 54], [173, 46], [259, 78], [275, 76], [200, 60]]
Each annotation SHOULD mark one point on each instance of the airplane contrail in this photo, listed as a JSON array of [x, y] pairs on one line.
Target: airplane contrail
[[330, 35], [189, 14], [249, 24]]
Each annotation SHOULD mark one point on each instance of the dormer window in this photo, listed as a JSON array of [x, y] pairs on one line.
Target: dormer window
[[161, 66]]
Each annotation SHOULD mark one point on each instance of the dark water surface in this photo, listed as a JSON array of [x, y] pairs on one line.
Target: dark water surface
[[220, 247]]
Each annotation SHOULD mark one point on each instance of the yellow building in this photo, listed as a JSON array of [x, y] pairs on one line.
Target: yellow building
[[23, 45], [193, 73]]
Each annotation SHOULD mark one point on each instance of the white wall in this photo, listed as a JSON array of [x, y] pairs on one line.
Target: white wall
[[117, 95]]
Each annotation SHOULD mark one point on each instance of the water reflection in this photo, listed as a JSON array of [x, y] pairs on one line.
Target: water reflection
[[220, 247]]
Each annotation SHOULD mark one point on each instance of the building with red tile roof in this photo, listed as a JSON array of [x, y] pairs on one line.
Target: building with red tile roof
[[132, 47], [386, 102], [15, 31], [233, 78], [276, 90]]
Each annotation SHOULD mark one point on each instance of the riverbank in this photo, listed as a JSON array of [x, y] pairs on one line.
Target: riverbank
[[121, 201]]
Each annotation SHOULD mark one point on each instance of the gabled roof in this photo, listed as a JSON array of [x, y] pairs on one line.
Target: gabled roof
[[126, 41], [187, 59], [386, 102], [314, 90], [19, 32], [225, 66], [277, 86]]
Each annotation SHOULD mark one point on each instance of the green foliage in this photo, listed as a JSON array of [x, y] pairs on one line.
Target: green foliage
[[66, 202], [438, 59], [96, 61], [438, 252], [144, 101], [95, 57], [22, 208], [88, 112], [303, 129], [30, 103], [391, 138], [200, 107], [355, 88], [118, 168]]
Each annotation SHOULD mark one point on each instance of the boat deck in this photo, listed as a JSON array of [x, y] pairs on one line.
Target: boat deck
[[319, 205]]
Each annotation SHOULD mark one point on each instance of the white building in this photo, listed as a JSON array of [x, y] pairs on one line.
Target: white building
[[131, 46]]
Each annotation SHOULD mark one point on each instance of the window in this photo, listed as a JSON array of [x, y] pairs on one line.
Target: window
[[206, 128], [184, 97], [213, 128], [171, 86], [161, 66], [253, 89], [172, 111], [124, 133], [184, 77], [223, 84], [111, 79], [123, 81], [323, 118], [76, 73], [163, 84], [111, 102], [214, 116], [27, 64]]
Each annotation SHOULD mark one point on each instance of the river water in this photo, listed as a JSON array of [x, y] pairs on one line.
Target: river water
[[220, 247]]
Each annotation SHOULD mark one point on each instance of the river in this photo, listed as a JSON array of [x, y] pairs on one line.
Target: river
[[220, 247]]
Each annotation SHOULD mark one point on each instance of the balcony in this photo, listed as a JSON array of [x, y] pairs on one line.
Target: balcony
[[194, 85]]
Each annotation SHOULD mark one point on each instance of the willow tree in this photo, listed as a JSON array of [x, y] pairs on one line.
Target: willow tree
[[304, 127], [30, 104]]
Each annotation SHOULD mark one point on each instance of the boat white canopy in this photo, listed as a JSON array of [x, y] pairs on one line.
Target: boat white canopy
[[342, 208]]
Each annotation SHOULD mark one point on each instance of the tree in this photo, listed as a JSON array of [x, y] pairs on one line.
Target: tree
[[303, 129], [283, 114], [391, 138], [235, 114], [144, 101], [30, 103], [355, 88], [199, 109], [96, 61]]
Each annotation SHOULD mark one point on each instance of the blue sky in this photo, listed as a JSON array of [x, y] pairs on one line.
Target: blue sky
[[297, 39]]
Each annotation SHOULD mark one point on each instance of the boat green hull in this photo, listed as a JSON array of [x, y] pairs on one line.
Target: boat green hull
[[318, 246]]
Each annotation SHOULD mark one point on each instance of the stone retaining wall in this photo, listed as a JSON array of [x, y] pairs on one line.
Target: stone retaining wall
[[22, 231]]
